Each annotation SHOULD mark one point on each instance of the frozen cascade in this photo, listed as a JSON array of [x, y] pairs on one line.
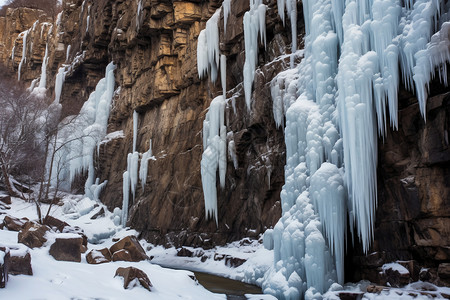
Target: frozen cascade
[[334, 103], [24, 53], [80, 135], [226, 12], [291, 7], [59, 81], [208, 48], [132, 174], [143, 170], [214, 154], [43, 80], [254, 24], [223, 74]]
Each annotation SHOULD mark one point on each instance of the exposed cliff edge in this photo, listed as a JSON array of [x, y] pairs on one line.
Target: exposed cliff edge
[[153, 43]]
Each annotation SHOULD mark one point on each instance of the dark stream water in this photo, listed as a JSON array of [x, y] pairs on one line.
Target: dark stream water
[[232, 288]]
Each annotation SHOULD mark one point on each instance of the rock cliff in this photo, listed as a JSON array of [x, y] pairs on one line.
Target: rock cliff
[[153, 43]]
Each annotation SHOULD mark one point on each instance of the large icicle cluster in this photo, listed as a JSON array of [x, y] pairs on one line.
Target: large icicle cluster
[[334, 103], [208, 48], [254, 24], [79, 137], [214, 154]]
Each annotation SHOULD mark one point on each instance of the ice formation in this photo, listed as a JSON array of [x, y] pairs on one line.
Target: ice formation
[[334, 103], [79, 137], [24, 52], [226, 12], [208, 48], [254, 24], [143, 169], [214, 154], [43, 79], [59, 81]]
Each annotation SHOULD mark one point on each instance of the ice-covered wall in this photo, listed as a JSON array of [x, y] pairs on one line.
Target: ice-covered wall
[[335, 102]]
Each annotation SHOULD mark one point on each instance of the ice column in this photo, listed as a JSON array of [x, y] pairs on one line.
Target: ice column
[[143, 170], [24, 53], [214, 154], [254, 24], [208, 48]]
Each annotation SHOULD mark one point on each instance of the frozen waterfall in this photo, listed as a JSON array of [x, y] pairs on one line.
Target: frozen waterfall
[[334, 103]]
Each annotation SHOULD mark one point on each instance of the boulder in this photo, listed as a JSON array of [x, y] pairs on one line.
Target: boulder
[[133, 276], [99, 214], [131, 244], [444, 272], [6, 199], [98, 256], [33, 235], [122, 255], [4, 265], [396, 274], [13, 223], [67, 247], [185, 252], [55, 224], [234, 262], [20, 261]]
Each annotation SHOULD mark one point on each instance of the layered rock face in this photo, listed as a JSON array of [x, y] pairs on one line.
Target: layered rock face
[[153, 43]]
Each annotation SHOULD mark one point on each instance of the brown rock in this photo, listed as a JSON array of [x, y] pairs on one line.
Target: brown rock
[[375, 289], [67, 248], [444, 271], [33, 235], [5, 199], [234, 262], [132, 246], [55, 224], [13, 223], [122, 255], [98, 256], [185, 252], [395, 277], [130, 273], [20, 261], [4, 266], [99, 214]]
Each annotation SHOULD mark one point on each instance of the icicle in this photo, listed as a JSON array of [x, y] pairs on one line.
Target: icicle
[[143, 170], [254, 23], [138, 15], [126, 197], [214, 154], [43, 80], [223, 75], [68, 53], [59, 81], [208, 48], [135, 129], [24, 53], [226, 12]]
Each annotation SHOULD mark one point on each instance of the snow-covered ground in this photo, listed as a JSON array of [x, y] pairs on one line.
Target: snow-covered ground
[[70, 280]]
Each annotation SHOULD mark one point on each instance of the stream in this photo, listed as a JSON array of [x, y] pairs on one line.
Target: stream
[[232, 288]]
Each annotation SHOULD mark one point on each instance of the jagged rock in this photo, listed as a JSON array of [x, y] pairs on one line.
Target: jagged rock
[[444, 271], [375, 289], [55, 224], [67, 247], [99, 214], [132, 246], [33, 235], [98, 256], [4, 266], [350, 295], [5, 199], [132, 276], [396, 277], [20, 263], [234, 262], [185, 252], [13, 223], [122, 255]]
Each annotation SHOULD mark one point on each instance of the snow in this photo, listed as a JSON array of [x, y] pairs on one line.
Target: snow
[[112, 136], [70, 280], [395, 267], [214, 154]]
